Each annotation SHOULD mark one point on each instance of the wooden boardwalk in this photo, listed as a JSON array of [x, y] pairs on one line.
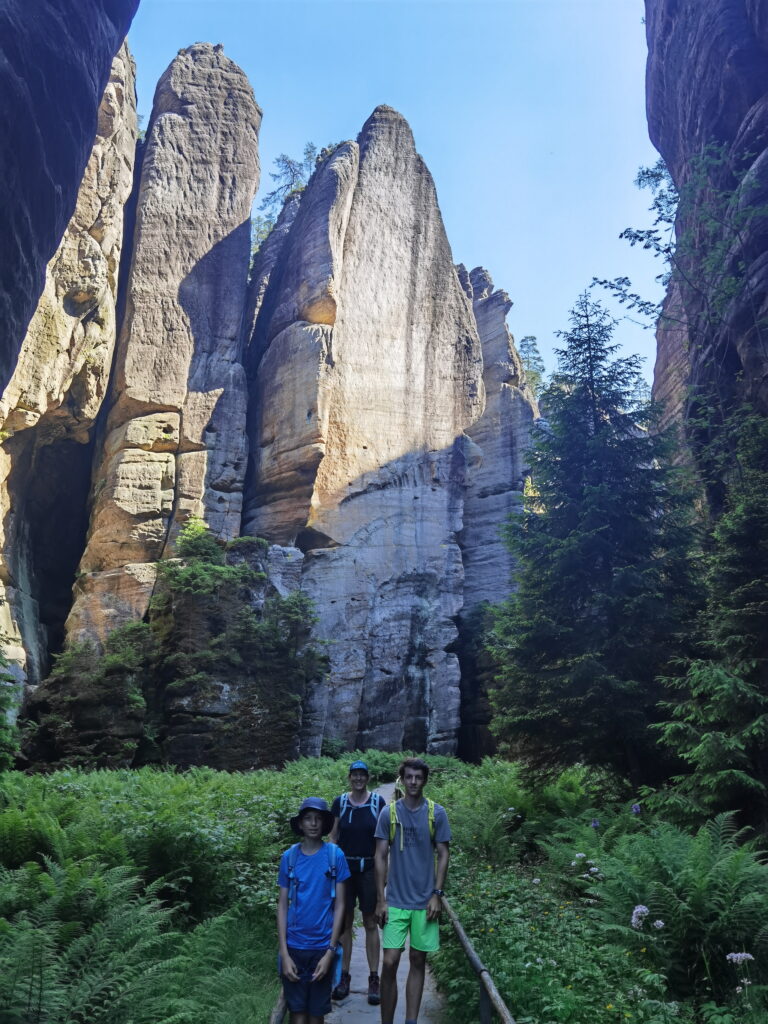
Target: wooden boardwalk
[[355, 1007]]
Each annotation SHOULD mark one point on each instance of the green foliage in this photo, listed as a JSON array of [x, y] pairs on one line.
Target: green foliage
[[604, 596], [533, 364], [718, 707], [147, 897], [9, 733]]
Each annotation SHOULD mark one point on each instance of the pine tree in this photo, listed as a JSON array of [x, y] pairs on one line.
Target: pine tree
[[717, 715], [533, 364], [603, 583]]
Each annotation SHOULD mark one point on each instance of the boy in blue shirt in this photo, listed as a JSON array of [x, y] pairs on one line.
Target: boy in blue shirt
[[310, 913]]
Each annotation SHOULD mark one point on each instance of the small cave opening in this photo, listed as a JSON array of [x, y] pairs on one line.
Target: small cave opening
[[48, 488]]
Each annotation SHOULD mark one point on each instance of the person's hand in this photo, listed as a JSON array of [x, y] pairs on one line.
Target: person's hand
[[434, 908], [381, 913], [323, 965], [290, 970]]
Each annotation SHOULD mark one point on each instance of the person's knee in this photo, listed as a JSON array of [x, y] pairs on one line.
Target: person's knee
[[369, 923], [391, 959], [418, 958]]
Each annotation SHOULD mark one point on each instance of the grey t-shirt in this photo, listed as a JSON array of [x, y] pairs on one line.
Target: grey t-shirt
[[412, 869]]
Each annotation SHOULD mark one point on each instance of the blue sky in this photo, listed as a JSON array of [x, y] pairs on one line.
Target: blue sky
[[529, 113]]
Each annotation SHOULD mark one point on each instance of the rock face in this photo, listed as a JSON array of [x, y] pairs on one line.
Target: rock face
[[174, 442], [707, 86], [49, 407], [494, 492], [49, 123], [369, 372]]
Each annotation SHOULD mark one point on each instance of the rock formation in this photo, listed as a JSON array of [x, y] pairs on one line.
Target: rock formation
[[707, 86], [494, 491], [49, 407], [174, 442], [336, 407], [370, 371], [49, 124]]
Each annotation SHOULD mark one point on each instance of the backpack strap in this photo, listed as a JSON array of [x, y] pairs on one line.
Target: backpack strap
[[394, 821], [376, 804], [343, 801], [293, 856], [332, 853]]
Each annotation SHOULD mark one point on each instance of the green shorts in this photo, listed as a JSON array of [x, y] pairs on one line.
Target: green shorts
[[425, 935]]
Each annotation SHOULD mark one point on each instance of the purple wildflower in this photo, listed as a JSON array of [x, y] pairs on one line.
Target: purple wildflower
[[595, 823], [639, 915], [739, 958], [635, 808], [658, 925]]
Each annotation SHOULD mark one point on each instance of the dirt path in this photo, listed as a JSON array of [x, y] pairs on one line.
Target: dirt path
[[355, 1007]]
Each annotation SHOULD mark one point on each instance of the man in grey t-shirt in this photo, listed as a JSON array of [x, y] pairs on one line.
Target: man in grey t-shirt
[[412, 837]]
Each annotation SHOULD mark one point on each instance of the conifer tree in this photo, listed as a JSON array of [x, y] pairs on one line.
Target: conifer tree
[[717, 714], [533, 364], [602, 588]]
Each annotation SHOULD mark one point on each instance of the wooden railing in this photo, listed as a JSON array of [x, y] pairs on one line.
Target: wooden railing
[[490, 1000]]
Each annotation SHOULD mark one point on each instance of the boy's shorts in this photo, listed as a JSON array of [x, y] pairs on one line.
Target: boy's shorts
[[425, 935], [305, 995]]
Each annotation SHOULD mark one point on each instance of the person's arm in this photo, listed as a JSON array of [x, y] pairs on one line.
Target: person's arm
[[434, 907], [289, 967], [333, 835], [381, 859], [325, 962]]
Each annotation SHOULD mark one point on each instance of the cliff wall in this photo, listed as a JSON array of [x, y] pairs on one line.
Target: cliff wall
[[49, 407], [48, 126], [707, 99]]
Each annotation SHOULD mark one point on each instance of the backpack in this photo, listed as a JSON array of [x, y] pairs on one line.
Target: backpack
[[394, 821], [376, 804]]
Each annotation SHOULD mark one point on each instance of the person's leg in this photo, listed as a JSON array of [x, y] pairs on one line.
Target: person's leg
[[299, 1018], [414, 985], [389, 984], [373, 952], [316, 1020]]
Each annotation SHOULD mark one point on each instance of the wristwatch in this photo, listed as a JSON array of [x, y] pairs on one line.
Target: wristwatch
[[437, 892], [332, 947]]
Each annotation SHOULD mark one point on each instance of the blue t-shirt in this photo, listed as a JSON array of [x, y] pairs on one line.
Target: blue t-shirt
[[310, 913]]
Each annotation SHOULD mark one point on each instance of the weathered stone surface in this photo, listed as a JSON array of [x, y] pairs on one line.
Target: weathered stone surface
[[106, 600], [499, 439], [48, 127], [707, 85], [50, 404], [502, 436], [372, 372], [175, 441]]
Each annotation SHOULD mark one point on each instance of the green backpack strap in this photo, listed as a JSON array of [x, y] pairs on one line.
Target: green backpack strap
[[394, 821]]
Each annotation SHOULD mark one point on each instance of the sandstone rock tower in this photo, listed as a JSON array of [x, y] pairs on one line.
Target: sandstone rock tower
[[173, 443]]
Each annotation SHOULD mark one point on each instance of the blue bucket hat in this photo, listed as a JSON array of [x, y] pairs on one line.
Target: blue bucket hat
[[359, 766], [313, 803]]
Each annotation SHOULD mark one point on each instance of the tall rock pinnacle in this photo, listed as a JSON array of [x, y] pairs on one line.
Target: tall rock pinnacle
[[174, 442], [369, 370]]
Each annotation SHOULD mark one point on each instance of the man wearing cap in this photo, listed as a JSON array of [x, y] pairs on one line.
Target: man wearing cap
[[355, 815], [310, 913]]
